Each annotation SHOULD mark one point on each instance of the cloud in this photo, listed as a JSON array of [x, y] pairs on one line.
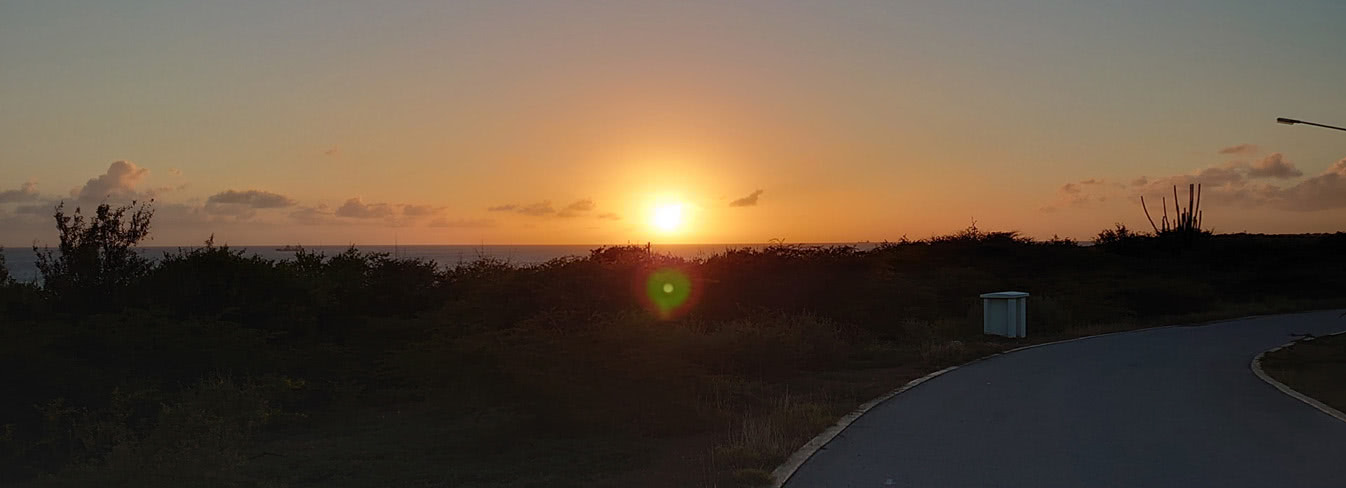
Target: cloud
[[576, 208], [243, 205], [1322, 192], [545, 208], [748, 201], [583, 205], [1240, 149], [1229, 174], [355, 208], [313, 215], [251, 199], [537, 209], [609, 216], [119, 181], [420, 210], [393, 214], [44, 209], [462, 223], [1274, 166], [240, 212], [1233, 184], [26, 192]]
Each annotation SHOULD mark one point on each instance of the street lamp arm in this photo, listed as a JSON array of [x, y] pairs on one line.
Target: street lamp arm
[[1288, 121]]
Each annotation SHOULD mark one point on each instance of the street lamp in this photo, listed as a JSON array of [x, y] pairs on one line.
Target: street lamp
[[1283, 120]]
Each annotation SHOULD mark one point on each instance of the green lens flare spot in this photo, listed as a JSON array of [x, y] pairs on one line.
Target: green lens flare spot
[[668, 289]]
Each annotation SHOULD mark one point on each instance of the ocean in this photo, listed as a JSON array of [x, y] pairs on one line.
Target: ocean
[[22, 261]]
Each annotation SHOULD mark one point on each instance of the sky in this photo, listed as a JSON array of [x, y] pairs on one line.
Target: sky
[[494, 122]]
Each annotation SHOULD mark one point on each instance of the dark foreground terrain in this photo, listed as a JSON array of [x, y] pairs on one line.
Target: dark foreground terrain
[[211, 368]]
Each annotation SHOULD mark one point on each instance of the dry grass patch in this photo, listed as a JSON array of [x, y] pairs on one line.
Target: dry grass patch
[[1314, 368]]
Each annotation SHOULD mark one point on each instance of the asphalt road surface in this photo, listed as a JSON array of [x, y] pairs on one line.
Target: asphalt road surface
[[1170, 407]]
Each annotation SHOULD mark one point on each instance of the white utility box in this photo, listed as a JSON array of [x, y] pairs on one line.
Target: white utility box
[[1005, 313]]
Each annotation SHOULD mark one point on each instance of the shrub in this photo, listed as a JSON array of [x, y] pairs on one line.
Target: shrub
[[5, 279], [219, 282], [96, 260], [1116, 235]]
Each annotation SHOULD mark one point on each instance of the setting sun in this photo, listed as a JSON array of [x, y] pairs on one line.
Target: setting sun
[[668, 218]]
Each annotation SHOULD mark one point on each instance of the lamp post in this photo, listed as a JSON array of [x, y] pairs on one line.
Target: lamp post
[[1286, 121]]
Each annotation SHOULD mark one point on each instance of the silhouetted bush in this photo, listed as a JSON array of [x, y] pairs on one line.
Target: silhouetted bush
[[96, 260], [112, 366], [5, 279]]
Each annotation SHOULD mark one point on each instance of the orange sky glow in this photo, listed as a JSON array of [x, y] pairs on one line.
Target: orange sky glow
[[521, 122]]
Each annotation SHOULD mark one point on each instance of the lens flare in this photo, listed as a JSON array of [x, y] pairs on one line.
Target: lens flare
[[668, 290]]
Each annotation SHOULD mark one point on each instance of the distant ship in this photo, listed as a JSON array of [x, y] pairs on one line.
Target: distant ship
[[291, 248]]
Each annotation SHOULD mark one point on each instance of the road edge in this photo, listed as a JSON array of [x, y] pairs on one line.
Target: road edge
[[1256, 366], [787, 469]]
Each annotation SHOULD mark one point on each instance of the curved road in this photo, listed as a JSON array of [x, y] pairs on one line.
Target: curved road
[[1170, 407]]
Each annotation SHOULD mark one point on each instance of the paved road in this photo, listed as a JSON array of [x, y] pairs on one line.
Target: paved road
[[1172, 407]]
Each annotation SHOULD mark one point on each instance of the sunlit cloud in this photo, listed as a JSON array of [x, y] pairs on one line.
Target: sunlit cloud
[[25, 193], [1322, 192], [1274, 166], [119, 182]]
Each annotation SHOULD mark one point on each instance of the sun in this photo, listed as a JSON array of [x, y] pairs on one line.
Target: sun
[[667, 218]]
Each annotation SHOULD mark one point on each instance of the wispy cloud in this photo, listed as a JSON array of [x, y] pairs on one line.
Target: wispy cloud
[[462, 223], [538, 209], [576, 208], [420, 210], [1240, 149]]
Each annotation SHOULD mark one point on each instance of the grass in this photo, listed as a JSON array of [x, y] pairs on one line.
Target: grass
[[1315, 368]]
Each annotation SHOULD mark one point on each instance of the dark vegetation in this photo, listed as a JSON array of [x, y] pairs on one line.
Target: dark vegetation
[[211, 367]]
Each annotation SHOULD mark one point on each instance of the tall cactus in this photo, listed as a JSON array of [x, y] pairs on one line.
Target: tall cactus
[[1185, 222]]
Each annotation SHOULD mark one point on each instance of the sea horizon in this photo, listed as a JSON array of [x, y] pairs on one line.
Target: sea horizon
[[22, 261]]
